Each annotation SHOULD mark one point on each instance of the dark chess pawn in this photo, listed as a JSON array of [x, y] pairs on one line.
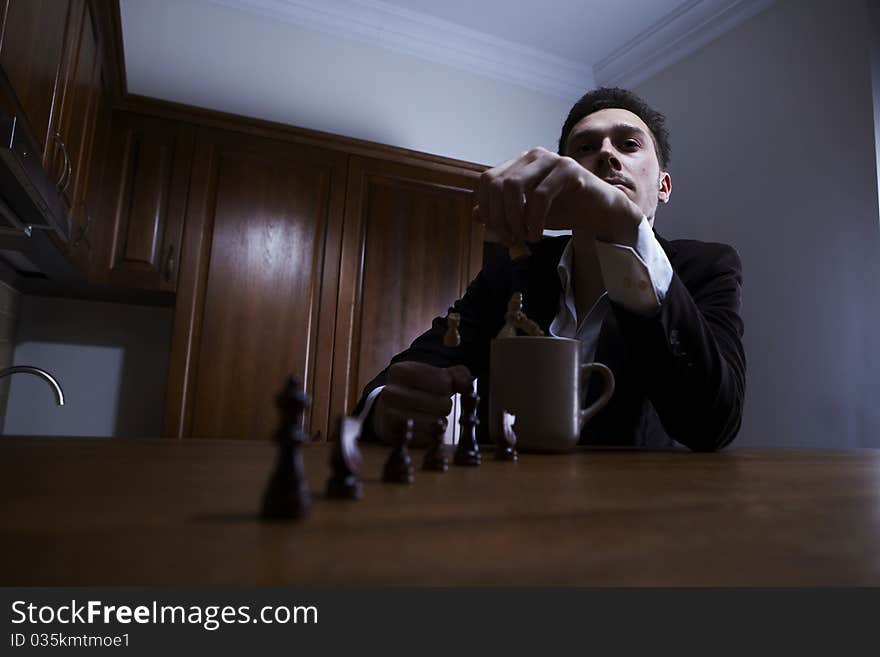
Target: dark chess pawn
[[287, 493], [505, 445], [435, 456], [468, 452], [399, 468], [345, 462]]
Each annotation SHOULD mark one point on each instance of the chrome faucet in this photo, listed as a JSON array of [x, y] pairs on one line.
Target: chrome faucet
[[43, 374]]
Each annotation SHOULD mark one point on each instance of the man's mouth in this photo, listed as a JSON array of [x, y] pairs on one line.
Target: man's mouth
[[618, 182]]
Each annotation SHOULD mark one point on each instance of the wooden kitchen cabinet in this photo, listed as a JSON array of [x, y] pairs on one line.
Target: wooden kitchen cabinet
[[256, 299], [77, 106], [145, 187], [409, 249], [52, 56], [30, 56], [306, 260]]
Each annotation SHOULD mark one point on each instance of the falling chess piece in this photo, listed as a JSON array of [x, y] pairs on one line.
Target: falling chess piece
[[515, 319], [517, 250], [435, 456], [452, 338], [399, 468], [514, 306], [345, 462], [287, 493], [467, 452], [505, 445]]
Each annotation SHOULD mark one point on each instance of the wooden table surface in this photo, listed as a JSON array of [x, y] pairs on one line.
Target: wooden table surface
[[184, 512]]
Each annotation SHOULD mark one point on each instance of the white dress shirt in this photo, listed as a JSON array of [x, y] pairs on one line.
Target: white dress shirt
[[636, 278]]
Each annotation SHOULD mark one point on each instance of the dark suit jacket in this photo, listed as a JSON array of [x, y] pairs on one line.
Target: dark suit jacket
[[680, 373]]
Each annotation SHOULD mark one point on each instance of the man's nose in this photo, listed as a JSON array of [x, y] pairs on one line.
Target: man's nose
[[608, 156]]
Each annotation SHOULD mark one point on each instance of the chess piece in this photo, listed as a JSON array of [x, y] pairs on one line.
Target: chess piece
[[505, 446], [452, 338], [398, 468], [287, 493], [517, 250], [515, 319], [467, 452], [345, 461], [435, 456]]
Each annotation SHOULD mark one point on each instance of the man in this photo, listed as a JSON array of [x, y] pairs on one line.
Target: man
[[663, 315]]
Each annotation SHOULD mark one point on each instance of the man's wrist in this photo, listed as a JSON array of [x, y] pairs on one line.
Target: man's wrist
[[622, 226]]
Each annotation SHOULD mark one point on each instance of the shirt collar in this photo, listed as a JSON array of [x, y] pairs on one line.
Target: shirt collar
[[564, 267]]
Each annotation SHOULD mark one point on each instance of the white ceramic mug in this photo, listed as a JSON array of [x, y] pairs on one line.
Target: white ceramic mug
[[540, 380]]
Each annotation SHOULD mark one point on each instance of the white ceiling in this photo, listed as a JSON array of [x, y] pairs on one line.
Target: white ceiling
[[583, 31], [475, 80], [555, 47]]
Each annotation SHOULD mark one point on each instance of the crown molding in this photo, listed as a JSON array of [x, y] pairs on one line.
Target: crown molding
[[404, 31], [691, 26]]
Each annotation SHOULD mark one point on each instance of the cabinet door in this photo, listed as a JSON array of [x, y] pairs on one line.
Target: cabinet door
[[145, 187], [77, 106], [256, 297], [30, 55], [410, 248]]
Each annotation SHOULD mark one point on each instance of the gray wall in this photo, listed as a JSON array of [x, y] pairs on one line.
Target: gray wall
[[774, 152], [874, 38], [110, 359]]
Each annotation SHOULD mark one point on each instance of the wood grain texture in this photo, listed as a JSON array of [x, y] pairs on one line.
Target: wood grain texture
[[145, 193], [89, 512], [249, 308], [409, 249], [271, 130], [76, 88], [109, 22], [30, 55]]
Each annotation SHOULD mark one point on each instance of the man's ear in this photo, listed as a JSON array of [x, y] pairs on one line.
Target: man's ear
[[664, 187]]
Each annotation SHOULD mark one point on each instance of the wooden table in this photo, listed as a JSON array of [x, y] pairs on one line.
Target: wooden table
[[183, 512]]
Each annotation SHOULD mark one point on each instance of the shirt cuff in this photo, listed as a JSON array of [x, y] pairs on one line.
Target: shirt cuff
[[636, 278], [368, 404]]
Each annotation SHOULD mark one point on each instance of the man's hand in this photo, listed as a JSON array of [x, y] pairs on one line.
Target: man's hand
[[539, 189], [418, 391]]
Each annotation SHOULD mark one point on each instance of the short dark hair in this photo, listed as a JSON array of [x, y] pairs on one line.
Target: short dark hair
[[613, 97]]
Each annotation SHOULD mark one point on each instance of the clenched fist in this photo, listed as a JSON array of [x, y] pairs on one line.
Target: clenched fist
[[418, 391]]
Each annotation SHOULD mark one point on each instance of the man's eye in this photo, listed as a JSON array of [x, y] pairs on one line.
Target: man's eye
[[585, 148], [631, 144]]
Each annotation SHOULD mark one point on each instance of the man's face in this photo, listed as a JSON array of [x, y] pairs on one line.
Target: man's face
[[616, 145]]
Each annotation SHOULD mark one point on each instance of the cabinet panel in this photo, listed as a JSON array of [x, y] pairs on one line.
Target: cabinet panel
[[252, 307], [145, 190], [78, 105], [30, 55], [410, 248]]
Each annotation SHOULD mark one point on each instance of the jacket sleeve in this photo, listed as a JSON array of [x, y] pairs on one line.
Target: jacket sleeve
[[690, 353]]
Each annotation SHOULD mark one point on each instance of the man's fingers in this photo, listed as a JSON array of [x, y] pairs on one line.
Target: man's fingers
[[462, 379], [421, 376], [486, 193], [561, 179], [503, 194], [405, 398], [531, 225]]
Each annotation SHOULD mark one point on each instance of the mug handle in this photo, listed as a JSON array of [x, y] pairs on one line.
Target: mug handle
[[597, 405]]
